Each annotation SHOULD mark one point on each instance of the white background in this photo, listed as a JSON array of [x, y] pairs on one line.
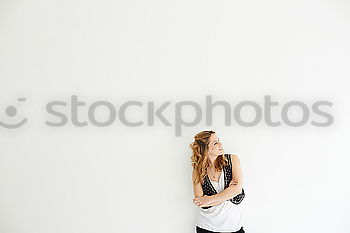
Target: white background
[[123, 179]]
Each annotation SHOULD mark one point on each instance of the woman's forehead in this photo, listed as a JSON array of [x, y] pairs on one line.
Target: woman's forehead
[[213, 137]]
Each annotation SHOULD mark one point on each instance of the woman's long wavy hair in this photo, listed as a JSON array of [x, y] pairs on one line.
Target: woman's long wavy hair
[[199, 158]]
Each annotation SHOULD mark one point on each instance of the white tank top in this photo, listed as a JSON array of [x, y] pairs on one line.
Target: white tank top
[[226, 217]]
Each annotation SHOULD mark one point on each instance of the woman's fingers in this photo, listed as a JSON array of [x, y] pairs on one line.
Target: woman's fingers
[[233, 182], [199, 201], [196, 201]]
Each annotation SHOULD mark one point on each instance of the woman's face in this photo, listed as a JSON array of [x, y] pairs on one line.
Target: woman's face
[[215, 146]]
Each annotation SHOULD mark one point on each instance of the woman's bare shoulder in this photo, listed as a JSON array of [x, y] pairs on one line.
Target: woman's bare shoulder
[[234, 158]]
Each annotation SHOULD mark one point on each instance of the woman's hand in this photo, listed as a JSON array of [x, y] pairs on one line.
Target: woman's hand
[[201, 201], [233, 182]]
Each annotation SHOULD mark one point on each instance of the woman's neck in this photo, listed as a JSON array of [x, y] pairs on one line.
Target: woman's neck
[[212, 160]]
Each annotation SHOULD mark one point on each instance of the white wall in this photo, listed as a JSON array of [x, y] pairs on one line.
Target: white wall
[[124, 179]]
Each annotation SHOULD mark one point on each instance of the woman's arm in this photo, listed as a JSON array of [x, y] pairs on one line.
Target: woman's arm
[[197, 187], [230, 191], [205, 201]]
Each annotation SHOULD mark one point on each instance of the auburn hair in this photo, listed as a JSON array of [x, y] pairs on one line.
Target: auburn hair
[[199, 159]]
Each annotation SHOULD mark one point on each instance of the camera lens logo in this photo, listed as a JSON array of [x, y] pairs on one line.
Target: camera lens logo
[[11, 111]]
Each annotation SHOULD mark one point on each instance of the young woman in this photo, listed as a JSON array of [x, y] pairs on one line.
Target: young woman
[[217, 185]]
